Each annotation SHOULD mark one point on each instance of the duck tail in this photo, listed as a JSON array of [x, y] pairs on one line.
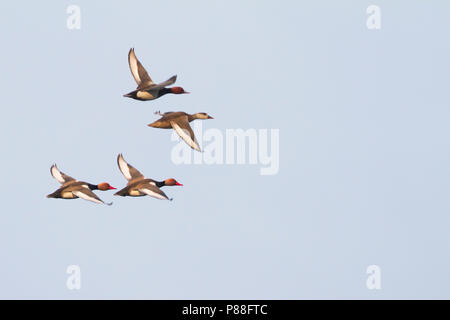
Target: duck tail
[[131, 94], [52, 195], [121, 193]]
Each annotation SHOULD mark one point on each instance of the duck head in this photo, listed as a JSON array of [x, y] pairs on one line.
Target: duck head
[[172, 182], [202, 115], [177, 90], [105, 186]]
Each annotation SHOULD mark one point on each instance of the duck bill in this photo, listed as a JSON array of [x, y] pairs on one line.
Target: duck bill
[[178, 184], [209, 117], [112, 188]]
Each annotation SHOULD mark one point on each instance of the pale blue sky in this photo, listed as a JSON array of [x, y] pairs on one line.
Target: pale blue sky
[[364, 150]]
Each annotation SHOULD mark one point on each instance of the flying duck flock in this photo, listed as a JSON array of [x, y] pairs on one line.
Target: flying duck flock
[[138, 185]]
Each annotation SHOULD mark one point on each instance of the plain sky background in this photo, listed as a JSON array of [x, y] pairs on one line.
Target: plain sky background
[[364, 150]]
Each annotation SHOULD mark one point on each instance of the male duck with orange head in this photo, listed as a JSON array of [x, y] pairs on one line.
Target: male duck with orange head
[[73, 189], [138, 185], [147, 89]]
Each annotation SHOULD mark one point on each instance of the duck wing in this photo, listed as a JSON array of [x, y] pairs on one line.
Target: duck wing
[[60, 176], [138, 71], [184, 130], [128, 171], [86, 194], [159, 86], [153, 191], [168, 82]]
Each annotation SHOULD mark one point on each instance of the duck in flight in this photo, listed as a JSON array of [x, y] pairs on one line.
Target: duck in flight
[[179, 121], [73, 189], [138, 185], [147, 89]]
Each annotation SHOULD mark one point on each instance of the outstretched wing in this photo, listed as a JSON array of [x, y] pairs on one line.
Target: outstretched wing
[[153, 191], [184, 130], [168, 82], [138, 71], [128, 171], [59, 176], [159, 86], [87, 194]]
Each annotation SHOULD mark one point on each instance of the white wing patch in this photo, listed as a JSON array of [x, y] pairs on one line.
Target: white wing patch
[[153, 194], [60, 176], [184, 134], [57, 174], [134, 67], [85, 196], [138, 71], [123, 166]]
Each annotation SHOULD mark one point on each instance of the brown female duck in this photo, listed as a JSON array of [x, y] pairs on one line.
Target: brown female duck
[[179, 121]]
